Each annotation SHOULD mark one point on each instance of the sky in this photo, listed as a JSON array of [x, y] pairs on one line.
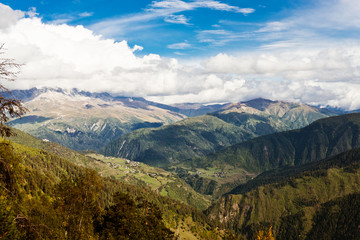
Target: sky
[[174, 51]]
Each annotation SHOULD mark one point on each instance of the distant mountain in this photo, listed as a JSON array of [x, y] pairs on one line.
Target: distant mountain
[[198, 136], [186, 109], [174, 142], [317, 200], [321, 139], [196, 109], [82, 120], [281, 115]]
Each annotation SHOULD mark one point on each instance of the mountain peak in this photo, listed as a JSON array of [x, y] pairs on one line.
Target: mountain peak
[[259, 103]]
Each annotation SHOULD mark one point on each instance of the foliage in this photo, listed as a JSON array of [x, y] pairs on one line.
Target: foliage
[[292, 227], [265, 235], [51, 198], [322, 139], [129, 219], [337, 219], [288, 199], [77, 200], [347, 160], [179, 141], [166, 183]]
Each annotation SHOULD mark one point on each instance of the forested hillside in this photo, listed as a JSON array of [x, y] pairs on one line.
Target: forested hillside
[[199, 136], [312, 201], [231, 166], [163, 182], [44, 196], [323, 138]]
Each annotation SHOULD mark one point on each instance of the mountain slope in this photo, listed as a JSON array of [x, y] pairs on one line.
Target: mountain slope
[[202, 135], [163, 182], [83, 120], [231, 166], [323, 138], [279, 115], [43, 195], [182, 140], [289, 199]]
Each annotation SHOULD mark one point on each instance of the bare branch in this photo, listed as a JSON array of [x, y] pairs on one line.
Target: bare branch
[[10, 107]]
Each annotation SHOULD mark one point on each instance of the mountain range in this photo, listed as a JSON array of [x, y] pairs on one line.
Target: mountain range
[[321, 139], [202, 135], [228, 171], [83, 120]]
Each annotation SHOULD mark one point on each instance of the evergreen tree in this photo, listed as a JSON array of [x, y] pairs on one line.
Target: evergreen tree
[[127, 219]]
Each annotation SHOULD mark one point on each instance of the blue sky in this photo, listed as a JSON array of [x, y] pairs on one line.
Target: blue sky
[[199, 28], [173, 51]]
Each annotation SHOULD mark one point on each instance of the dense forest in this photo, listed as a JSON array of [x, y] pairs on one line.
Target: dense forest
[[43, 196], [300, 202]]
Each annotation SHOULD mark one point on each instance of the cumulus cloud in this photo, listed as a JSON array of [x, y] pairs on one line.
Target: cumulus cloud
[[9, 16], [316, 76], [75, 57]]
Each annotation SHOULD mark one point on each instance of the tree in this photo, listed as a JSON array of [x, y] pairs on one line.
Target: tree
[[133, 219], [10, 107], [77, 204]]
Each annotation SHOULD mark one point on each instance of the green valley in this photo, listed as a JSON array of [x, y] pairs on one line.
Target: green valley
[[39, 191], [163, 182], [199, 136], [293, 200], [323, 138]]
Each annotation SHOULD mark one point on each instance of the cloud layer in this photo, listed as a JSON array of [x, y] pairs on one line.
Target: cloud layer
[[75, 57], [168, 10]]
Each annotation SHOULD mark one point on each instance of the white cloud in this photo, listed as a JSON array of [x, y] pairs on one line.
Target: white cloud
[[9, 16], [218, 37], [179, 19], [66, 56], [179, 6], [32, 12], [183, 45], [276, 26], [332, 64], [321, 20], [172, 5], [216, 5], [316, 76], [65, 18], [86, 14], [166, 9]]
